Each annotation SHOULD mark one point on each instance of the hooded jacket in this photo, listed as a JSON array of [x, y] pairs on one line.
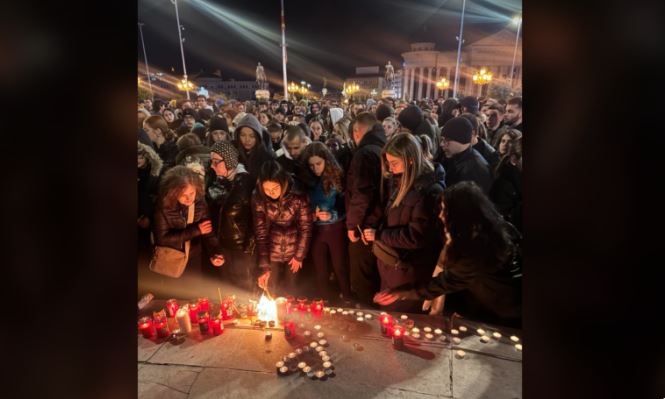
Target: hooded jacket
[[362, 199], [488, 152], [283, 227], [148, 181], [295, 167], [261, 152]]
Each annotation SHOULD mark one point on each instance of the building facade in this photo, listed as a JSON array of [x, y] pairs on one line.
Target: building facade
[[233, 89], [424, 66]]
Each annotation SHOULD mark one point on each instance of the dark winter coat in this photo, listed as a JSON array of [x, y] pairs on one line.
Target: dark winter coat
[[283, 227], [262, 151], [148, 181], [506, 194], [413, 230], [488, 152], [167, 152], [468, 165], [230, 203], [430, 131], [170, 227], [362, 199]]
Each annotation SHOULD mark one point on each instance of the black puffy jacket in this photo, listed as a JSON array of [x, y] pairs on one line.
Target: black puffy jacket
[[231, 209], [468, 165]]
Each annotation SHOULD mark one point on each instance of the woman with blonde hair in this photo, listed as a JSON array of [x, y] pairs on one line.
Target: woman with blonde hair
[[409, 225]]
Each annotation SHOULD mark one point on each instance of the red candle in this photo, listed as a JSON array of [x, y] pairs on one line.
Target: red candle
[[162, 327], [226, 310], [193, 310], [171, 307], [204, 304], [398, 336], [386, 325], [289, 329], [317, 307], [217, 326], [290, 304], [146, 328], [302, 304], [204, 322]]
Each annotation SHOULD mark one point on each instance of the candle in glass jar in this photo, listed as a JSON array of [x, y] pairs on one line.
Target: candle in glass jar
[[289, 329], [386, 324], [193, 310], [317, 307], [146, 327], [217, 326], [204, 304], [462, 328], [204, 322], [171, 307], [398, 336], [184, 322], [161, 327]]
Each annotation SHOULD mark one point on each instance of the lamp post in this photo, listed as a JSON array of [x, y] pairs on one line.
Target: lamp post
[[185, 82], [442, 84], [145, 58], [482, 78], [518, 21], [459, 49]]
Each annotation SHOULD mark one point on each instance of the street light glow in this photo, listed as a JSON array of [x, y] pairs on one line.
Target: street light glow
[[517, 20]]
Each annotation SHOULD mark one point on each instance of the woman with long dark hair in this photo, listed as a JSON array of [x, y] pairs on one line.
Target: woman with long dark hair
[[253, 143], [327, 204], [480, 259], [409, 224], [283, 228]]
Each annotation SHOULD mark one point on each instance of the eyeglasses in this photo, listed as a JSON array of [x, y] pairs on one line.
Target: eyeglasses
[[217, 161]]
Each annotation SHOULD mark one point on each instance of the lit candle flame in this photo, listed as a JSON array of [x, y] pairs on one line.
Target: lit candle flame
[[266, 309]]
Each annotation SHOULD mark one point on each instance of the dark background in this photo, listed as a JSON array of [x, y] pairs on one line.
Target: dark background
[[593, 200], [324, 38]]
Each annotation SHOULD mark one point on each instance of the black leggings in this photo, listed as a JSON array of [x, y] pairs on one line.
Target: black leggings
[[330, 239]]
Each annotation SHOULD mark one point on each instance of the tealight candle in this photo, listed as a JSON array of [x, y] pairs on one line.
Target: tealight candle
[[407, 333], [305, 349], [427, 329], [279, 365], [298, 351], [291, 355], [146, 327], [302, 365], [325, 358], [361, 319], [308, 371], [217, 326], [480, 331], [404, 317], [320, 374], [319, 348], [398, 336], [327, 365], [313, 345], [454, 332], [333, 312], [415, 335], [496, 335], [340, 310], [268, 336], [320, 335], [204, 304], [514, 338], [368, 316], [456, 340], [171, 307], [429, 336], [518, 347], [462, 328], [193, 310], [460, 353], [415, 330], [359, 314], [485, 339], [317, 327], [345, 313], [323, 354], [307, 333], [161, 327], [184, 322], [323, 342], [438, 331], [283, 370]]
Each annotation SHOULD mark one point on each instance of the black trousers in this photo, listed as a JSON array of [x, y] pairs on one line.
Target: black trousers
[[239, 268], [364, 273], [282, 280], [329, 243]]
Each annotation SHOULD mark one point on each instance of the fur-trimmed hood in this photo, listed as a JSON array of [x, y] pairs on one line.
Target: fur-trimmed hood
[[154, 159]]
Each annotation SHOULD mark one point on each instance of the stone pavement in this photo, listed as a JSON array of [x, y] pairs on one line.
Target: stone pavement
[[240, 363]]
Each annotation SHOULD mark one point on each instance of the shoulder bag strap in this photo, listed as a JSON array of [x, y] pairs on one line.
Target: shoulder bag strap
[[190, 219]]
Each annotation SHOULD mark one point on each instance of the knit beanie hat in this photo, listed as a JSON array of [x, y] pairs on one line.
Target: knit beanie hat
[[191, 112], [471, 103], [383, 111], [228, 152], [457, 129], [218, 123], [410, 117]]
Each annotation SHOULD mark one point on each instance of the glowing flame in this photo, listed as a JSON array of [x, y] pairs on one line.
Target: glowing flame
[[266, 309]]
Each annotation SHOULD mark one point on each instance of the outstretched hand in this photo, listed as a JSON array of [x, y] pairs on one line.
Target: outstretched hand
[[385, 297]]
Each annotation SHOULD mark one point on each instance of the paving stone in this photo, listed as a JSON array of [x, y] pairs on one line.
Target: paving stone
[[477, 376], [179, 378], [146, 348], [153, 390]]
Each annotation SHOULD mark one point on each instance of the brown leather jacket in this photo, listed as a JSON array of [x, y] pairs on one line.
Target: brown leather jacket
[[171, 229]]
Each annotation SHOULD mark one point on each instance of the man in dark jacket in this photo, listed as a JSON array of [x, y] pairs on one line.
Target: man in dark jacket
[[413, 119], [479, 144], [462, 162], [229, 199], [363, 203]]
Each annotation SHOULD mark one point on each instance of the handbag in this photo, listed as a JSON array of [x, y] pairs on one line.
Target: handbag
[[168, 261], [388, 255]]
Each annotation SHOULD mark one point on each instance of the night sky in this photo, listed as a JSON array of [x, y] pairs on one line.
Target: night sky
[[324, 38]]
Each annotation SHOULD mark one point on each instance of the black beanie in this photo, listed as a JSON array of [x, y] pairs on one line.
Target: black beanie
[[218, 123], [383, 111], [471, 104], [410, 117], [457, 129], [228, 152]]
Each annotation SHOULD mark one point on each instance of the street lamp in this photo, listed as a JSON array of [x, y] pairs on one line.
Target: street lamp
[[145, 57], [185, 82], [351, 89], [517, 21], [442, 84], [482, 78], [460, 39], [185, 85]]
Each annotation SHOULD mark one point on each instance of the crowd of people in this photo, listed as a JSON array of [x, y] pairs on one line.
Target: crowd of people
[[388, 203]]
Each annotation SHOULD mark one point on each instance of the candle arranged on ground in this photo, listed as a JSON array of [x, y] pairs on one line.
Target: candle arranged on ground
[[313, 344], [429, 336], [460, 353], [319, 348], [333, 312], [171, 307], [268, 336], [307, 334], [398, 336], [415, 335], [340, 310], [518, 347], [317, 327], [204, 322], [360, 314], [323, 354], [280, 304], [327, 365], [160, 314], [320, 335], [480, 331], [317, 307], [204, 304], [345, 313], [496, 335], [386, 324], [184, 322], [323, 342], [217, 326], [279, 365], [302, 365], [289, 329], [161, 326], [514, 338], [193, 310], [457, 340], [462, 328], [283, 370], [485, 339], [438, 332], [427, 329], [146, 327], [325, 358], [368, 316], [360, 318], [308, 371], [454, 332], [404, 317], [415, 330], [320, 374]]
